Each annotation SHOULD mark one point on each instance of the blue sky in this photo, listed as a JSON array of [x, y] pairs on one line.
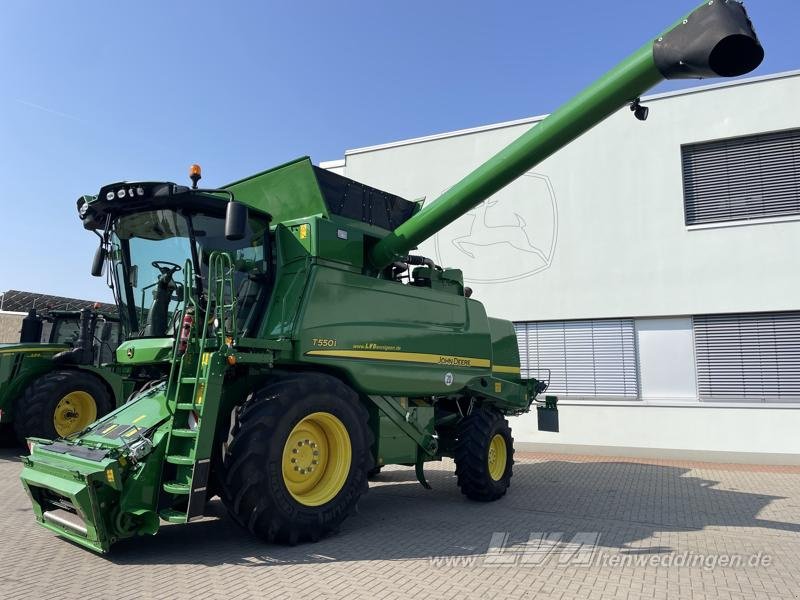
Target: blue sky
[[96, 92]]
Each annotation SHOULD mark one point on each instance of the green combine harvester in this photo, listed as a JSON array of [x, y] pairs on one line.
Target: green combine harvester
[[308, 346]]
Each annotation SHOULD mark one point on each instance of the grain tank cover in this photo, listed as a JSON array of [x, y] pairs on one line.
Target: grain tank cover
[[348, 198], [299, 189]]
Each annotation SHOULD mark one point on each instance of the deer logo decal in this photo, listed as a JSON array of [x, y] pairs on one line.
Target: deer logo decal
[[510, 236]]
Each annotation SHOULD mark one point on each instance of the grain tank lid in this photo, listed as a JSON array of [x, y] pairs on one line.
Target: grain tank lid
[[299, 189], [354, 200]]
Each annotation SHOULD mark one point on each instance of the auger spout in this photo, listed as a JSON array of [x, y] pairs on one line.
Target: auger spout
[[717, 39]]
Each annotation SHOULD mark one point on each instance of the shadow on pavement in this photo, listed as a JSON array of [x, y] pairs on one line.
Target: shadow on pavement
[[12, 452], [624, 503]]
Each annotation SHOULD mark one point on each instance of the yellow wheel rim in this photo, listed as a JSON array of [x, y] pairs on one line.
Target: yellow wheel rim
[[498, 457], [316, 459], [74, 412]]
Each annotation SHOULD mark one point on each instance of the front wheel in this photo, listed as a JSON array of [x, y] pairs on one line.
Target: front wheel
[[484, 455], [59, 404], [7, 437], [299, 458]]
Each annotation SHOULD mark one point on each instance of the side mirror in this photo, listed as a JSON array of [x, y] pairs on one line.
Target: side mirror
[[99, 261], [235, 221]]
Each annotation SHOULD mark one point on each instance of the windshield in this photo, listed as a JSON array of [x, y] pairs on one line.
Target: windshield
[[149, 250]]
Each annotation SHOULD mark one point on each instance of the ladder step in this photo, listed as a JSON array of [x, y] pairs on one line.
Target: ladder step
[[188, 379], [176, 487], [185, 433], [173, 516], [180, 459], [189, 406]]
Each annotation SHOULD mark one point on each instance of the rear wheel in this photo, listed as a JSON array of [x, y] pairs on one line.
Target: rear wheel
[[298, 461], [484, 455], [7, 437], [59, 404]]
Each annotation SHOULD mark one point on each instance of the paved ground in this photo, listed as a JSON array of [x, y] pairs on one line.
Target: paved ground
[[663, 529]]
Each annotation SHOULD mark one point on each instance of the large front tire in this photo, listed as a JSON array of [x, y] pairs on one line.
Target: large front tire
[[59, 404], [8, 438], [299, 458], [484, 455]]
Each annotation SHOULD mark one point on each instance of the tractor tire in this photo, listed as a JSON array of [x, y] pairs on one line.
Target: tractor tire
[[298, 461], [374, 472], [484, 455], [59, 404], [8, 438]]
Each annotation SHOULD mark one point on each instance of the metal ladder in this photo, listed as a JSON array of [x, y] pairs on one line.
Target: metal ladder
[[194, 391]]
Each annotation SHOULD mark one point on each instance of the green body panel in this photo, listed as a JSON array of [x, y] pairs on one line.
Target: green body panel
[[145, 351], [394, 444], [391, 339], [505, 351], [288, 191], [332, 298]]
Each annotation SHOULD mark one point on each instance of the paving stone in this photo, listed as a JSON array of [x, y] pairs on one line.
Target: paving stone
[[664, 529]]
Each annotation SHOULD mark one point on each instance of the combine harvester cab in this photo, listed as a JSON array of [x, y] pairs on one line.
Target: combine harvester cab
[[308, 348]]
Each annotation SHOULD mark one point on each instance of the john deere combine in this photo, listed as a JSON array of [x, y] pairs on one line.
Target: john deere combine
[[308, 346]]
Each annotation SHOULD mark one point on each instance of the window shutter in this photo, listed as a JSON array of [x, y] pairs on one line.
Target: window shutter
[[748, 356], [743, 178], [585, 358]]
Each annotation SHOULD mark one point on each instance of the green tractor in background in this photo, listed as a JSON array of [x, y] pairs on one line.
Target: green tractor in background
[[307, 346], [65, 372], [54, 382]]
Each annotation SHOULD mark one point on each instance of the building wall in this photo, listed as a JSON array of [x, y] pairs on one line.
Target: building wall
[[10, 325], [607, 214], [597, 231]]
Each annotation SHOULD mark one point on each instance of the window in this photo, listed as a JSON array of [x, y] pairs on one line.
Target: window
[[753, 177], [751, 357], [585, 358]]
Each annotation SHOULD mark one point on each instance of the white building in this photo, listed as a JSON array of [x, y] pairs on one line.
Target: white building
[[653, 268]]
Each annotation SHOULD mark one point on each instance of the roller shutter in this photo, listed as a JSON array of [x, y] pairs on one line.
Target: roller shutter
[[743, 178], [585, 358], [751, 357]]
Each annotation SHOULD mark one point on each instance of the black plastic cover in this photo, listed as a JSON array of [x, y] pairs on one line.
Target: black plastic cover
[[547, 418], [716, 40], [127, 197], [348, 198], [31, 332], [77, 451], [235, 221]]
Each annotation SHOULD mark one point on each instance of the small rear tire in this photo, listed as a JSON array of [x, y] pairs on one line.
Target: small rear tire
[[484, 455], [298, 461]]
